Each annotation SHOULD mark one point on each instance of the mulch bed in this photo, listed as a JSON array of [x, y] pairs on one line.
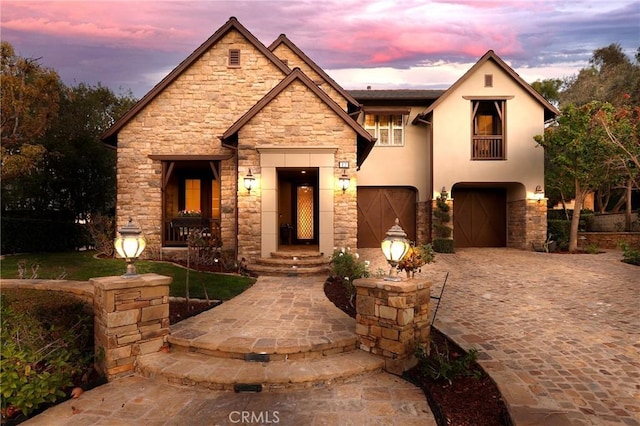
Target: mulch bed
[[467, 401]]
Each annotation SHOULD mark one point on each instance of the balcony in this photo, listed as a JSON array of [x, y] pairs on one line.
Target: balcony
[[489, 147], [177, 229]]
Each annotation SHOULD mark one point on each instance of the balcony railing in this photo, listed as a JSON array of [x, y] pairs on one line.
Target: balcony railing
[[487, 147], [177, 229]]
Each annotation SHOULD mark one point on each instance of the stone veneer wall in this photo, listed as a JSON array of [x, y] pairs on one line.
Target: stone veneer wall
[[608, 240], [527, 223], [131, 317], [423, 222], [186, 119], [292, 121], [392, 317]]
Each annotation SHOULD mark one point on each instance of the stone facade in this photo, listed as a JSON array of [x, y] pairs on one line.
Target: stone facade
[[187, 118], [392, 318], [423, 222], [608, 240], [526, 223], [131, 318]]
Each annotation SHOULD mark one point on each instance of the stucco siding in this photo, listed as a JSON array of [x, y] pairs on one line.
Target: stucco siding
[[406, 165], [452, 135]]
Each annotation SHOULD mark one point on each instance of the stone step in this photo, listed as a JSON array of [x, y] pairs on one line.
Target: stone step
[[213, 373], [299, 255], [233, 346], [288, 271]]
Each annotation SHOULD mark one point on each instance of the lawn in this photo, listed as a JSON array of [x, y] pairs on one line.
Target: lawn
[[81, 266]]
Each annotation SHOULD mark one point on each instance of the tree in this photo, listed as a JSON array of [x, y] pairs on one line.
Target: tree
[[30, 101], [610, 75], [549, 89], [579, 151]]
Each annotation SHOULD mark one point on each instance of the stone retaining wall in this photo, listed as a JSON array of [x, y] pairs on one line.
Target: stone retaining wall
[[609, 240]]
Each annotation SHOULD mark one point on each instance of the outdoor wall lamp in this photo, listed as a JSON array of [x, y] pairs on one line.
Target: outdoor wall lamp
[[129, 245], [249, 182], [443, 193], [344, 182], [538, 193], [395, 247]]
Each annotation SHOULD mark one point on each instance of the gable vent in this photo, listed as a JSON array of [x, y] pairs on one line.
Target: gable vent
[[488, 80], [234, 57]]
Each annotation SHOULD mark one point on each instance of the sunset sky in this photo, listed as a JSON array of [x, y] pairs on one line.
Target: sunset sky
[[382, 43]]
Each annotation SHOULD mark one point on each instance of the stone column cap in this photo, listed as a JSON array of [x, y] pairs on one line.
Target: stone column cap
[[405, 286], [119, 282]]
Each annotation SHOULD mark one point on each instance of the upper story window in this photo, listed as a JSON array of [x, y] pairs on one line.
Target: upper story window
[[234, 57], [488, 80], [488, 136], [387, 128]]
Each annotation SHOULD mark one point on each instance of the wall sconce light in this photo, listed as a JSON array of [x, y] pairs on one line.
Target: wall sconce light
[[249, 182], [395, 247], [538, 193], [129, 245], [344, 182], [443, 193]]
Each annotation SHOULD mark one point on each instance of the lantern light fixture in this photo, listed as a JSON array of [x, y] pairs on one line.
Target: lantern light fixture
[[249, 182], [344, 181], [394, 247], [129, 244], [443, 193]]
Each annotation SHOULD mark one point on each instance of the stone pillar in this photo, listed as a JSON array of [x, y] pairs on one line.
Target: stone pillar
[[392, 317], [131, 319]]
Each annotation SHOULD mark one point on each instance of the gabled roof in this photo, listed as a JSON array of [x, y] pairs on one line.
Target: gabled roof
[[365, 140], [418, 95], [282, 39], [110, 136], [549, 110]]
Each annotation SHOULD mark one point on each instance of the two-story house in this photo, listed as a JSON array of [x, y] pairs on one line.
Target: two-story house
[[271, 151]]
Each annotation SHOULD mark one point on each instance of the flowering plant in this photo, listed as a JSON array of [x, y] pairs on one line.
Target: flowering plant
[[189, 213], [416, 257]]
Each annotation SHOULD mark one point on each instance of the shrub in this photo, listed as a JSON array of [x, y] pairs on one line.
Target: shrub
[[416, 257], [559, 231], [102, 232], [629, 254], [347, 267], [41, 350], [443, 245], [442, 364]]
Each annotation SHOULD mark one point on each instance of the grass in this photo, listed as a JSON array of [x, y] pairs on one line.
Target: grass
[[81, 266]]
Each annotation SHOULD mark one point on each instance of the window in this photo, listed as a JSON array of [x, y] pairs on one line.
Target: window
[[234, 57], [487, 120], [488, 80], [192, 195], [387, 128]]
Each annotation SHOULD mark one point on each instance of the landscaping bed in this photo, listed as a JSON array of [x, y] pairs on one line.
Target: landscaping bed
[[466, 401]]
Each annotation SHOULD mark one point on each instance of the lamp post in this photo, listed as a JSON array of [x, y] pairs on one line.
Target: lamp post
[[395, 247], [129, 244]]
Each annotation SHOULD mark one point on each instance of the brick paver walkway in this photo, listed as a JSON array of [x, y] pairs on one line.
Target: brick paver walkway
[[559, 333]]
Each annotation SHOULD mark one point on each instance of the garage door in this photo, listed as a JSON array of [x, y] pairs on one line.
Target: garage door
[[378, 208], [480, 217]]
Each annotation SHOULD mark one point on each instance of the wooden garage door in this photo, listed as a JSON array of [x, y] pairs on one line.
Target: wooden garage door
[[480, 217], [378, 208]]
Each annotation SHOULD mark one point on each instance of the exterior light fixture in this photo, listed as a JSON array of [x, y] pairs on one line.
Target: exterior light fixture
[[129, 244], [344, 181], [249, 182], [443, 193], [538, 193], [395, 247]]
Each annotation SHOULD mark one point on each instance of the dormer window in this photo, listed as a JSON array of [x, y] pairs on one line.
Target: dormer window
[[234, 57]]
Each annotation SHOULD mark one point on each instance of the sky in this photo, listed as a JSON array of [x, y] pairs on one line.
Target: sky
[[386, 44]]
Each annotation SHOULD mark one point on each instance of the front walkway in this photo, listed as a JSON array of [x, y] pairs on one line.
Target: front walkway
[[559, 333]]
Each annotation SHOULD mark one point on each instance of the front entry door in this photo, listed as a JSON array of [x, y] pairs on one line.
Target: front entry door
[[298, 205]]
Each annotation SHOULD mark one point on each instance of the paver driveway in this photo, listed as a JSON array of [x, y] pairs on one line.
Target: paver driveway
[[559, 333]]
